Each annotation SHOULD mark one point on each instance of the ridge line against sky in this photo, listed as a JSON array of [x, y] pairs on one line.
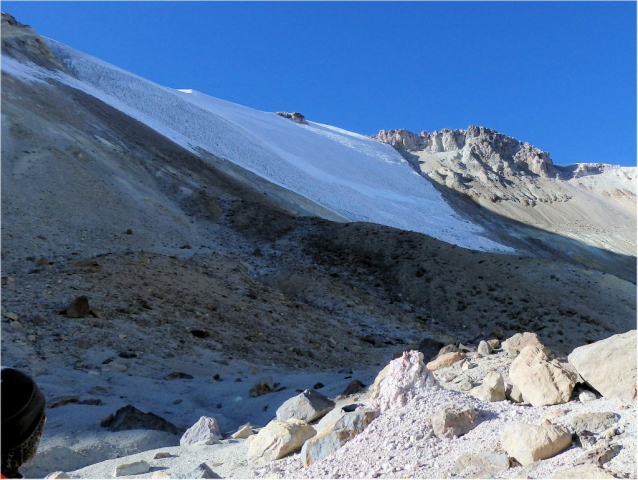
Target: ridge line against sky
[[558, 75]]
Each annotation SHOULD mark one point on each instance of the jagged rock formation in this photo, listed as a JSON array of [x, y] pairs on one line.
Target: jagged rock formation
[[520, 181]]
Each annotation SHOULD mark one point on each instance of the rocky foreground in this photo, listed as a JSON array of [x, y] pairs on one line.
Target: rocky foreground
[[495, 410]]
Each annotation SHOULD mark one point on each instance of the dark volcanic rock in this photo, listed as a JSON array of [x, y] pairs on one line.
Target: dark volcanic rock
[[130, 418], [79, 308]]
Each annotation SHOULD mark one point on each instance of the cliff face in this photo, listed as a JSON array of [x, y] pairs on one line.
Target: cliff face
[[478, 162], [519, 181]]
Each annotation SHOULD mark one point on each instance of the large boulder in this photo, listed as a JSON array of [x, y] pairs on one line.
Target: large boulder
[[529, 443], [492, 389], [450, 421], [540, 381], [278, 439], [336, 435], [405, 378], [515, 344], [204, 432], [308, 406], [609, 366]]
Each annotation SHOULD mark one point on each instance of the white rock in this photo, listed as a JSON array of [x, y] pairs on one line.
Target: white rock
[[134, 468], [57, 475], [484, 348], [492, 389], [586, 396], [405, 379], [204, 432], [515, 344], [308, 406]]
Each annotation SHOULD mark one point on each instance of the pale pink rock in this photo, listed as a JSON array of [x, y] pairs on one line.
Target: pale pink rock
[[406, 378]]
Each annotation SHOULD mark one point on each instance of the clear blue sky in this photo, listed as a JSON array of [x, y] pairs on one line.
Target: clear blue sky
[[561, 76]]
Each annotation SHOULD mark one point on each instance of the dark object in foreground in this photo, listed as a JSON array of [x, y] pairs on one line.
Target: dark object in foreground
[[23, 420], [130, 418]]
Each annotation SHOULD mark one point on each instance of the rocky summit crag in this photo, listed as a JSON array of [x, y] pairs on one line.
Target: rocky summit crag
[[173, 299], [594, 204]]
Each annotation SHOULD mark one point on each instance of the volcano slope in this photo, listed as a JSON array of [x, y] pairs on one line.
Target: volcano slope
[[194, 265]]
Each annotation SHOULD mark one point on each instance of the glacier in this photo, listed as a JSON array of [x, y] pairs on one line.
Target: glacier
[[357, 177]]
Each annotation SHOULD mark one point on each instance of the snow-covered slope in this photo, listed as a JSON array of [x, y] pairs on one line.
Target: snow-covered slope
[[355, 176]]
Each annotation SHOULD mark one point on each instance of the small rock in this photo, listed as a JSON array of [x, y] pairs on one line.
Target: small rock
[[254, 370], [556, 414], [595, 422], [83, 344], [318, 385], [243, 432], [178, 375], [452, 421], [353, 387], [262, 387], [39, 319], [464, 384], [11, 316], [79, 308], [598, 456], [129, 231], [114, 367], [586, 396], [487, 463], [587, 439], [159, 455], [57, 475], [446, 376], [200, 471], [448, 349], [161, 474], [494, 343], [529, 443], [204, 432], [514, 394], [65, 400], [309, 406], [467, 365], [484, 348], [278, 439], [491, 390], [445, 360], [515, 344], [582, 472], [134, 468]]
